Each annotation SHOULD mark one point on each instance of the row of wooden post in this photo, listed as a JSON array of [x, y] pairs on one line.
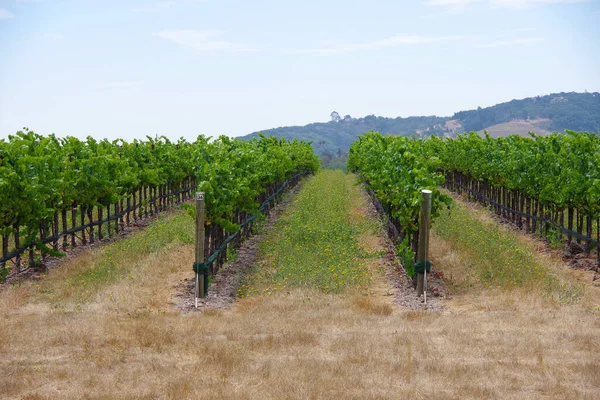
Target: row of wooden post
[[204, 246], [530, 214], [142, 202]]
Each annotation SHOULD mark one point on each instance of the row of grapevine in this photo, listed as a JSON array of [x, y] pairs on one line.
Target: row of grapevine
[[396, 170], [47, 184], [548, 185], [545, 184]]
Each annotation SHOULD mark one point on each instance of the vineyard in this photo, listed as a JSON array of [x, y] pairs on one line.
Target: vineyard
[[58, 193], [396, 169], [314, 304], [545, 185]]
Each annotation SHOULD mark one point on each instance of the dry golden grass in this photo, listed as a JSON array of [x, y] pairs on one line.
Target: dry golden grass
[[127, 342], [456, 269], [369, 305], [302, 345]]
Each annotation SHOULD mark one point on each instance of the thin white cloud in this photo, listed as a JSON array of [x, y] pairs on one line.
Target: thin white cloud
[[513, 42], [516, 30], [459, 5], [5, 14], [204, 41], [395, 41], [211, 41], [117, 85], [510, 34], [54, 36], [156, 6], [451, 5], [529, 3]]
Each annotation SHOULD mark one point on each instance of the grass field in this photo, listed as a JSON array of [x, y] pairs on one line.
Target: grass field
[[496, 257], [119, 336]]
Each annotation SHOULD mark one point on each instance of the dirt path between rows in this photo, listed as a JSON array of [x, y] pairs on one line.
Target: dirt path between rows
[[223, 291], [395, 276]]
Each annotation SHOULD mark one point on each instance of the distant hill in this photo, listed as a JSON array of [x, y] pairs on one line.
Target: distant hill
[[576, 111], [519, 127], [541, 114]]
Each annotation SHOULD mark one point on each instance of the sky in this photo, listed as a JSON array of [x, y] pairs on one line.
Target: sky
[[130, 68]]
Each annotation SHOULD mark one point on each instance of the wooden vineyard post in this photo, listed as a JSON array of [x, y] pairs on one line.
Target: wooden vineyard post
[[423, 249], [199, 245]]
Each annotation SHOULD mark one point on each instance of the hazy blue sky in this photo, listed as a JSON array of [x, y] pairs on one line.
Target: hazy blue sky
[[183, 67]]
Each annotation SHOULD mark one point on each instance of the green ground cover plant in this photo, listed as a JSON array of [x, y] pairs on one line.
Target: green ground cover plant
[[315, 244]]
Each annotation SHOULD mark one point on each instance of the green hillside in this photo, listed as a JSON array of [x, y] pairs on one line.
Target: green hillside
[[553, 112], [576, 111], [336, 135]]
